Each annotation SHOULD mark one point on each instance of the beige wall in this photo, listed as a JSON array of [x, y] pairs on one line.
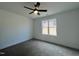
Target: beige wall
[[14, 29], [67, 29]]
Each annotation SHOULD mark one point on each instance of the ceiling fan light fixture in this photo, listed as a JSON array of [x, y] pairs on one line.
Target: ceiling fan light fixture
[[36, 12]]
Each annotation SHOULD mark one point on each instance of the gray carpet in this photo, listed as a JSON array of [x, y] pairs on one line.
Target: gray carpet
[[38, 48]]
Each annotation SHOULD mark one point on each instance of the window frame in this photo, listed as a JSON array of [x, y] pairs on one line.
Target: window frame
[[48, 27]]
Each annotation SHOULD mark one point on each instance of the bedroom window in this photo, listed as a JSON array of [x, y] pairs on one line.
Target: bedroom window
[[49, 27], [45, 27]]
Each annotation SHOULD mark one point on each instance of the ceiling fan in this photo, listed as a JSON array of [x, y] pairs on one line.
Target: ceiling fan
[[36, 9]]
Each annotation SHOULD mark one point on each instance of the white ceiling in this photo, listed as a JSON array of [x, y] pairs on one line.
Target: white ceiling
[[52, 7]]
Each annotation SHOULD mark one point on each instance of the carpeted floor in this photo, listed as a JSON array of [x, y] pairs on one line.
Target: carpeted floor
[[38, 48]]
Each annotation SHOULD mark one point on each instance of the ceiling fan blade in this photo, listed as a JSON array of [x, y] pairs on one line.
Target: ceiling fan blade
[[31, 12], [28, 8], [42, 10]]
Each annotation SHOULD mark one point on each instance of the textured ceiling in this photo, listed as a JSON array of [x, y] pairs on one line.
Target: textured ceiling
[[52, 7]]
